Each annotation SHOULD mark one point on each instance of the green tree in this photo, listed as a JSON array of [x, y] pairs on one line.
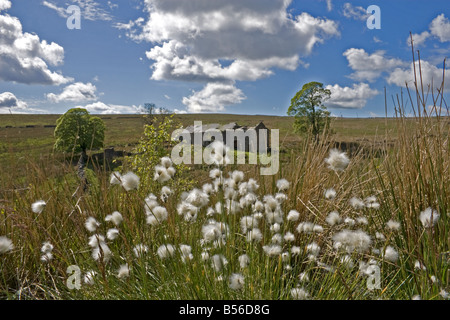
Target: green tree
[[308, 109], [76, 132]]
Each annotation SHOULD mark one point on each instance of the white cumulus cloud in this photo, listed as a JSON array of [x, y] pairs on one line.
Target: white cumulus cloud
[[77, 91], [213, 97], [440, 27], [225, 41], [103, 108], [5, 4], [354, 97], [8, 101], [368, 67], [24, 57], [431, 75]]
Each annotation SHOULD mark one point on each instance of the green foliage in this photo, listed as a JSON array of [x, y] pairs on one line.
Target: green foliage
[[308, 109], [155, 144], [78, 131]]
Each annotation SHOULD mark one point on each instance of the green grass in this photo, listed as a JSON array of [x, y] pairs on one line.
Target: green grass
[[405, 177]]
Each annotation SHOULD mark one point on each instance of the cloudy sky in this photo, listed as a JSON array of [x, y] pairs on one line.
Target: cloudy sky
[[216, 56]]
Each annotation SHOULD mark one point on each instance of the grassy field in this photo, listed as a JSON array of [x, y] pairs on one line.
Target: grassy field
[[311, 231]]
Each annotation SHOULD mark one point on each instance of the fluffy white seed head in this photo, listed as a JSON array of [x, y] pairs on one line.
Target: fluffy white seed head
[[357, 203], [91, 224], [139, 250], [197, 198], [165, 251], [46, 247], [289, 237], [293, 215], [244, 261], [390, 254], [157, 215], [350, 241], [254, 235], [130, 181], [393, 225], [115, 217], [337, 160], [236, 281], [429, 217], [309, 228], [272, 250], [330, 194], [38, 206], [89, 277], [112, 234], [102, 253], [5, 245], [186, 252], [95, 240], [313, 249], [123, 271], [166, 162], [115, 178], [299, 294], [218, 262], [333, 218], [283, 185]]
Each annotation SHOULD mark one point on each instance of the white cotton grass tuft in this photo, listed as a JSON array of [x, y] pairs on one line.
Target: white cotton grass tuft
[[330, 194], [115, 217], [102, 253], [357, 203], [429, 217], [139, 250], [350, 241], [313, 249], [419, 266], [123, 271], [371, 202], [309, 228], [166, 162], [333, 218], [254, 235], [91, 224], [299, 294], [161, 174], [219, 262], [390, 254], [95, 240], [337, 160], [115, 178], [112, 234], [130, 181], [244, 261], [282, 185], [157, 215], [165, 251], [236, 281], [289, 237], [47, 252], [89, 277], [38, 206], [293, 215], [393, 225], [272, 250], [166, 192], [186, 252], [197, 198]]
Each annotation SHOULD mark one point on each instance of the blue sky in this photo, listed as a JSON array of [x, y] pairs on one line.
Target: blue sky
[[197, 56]]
